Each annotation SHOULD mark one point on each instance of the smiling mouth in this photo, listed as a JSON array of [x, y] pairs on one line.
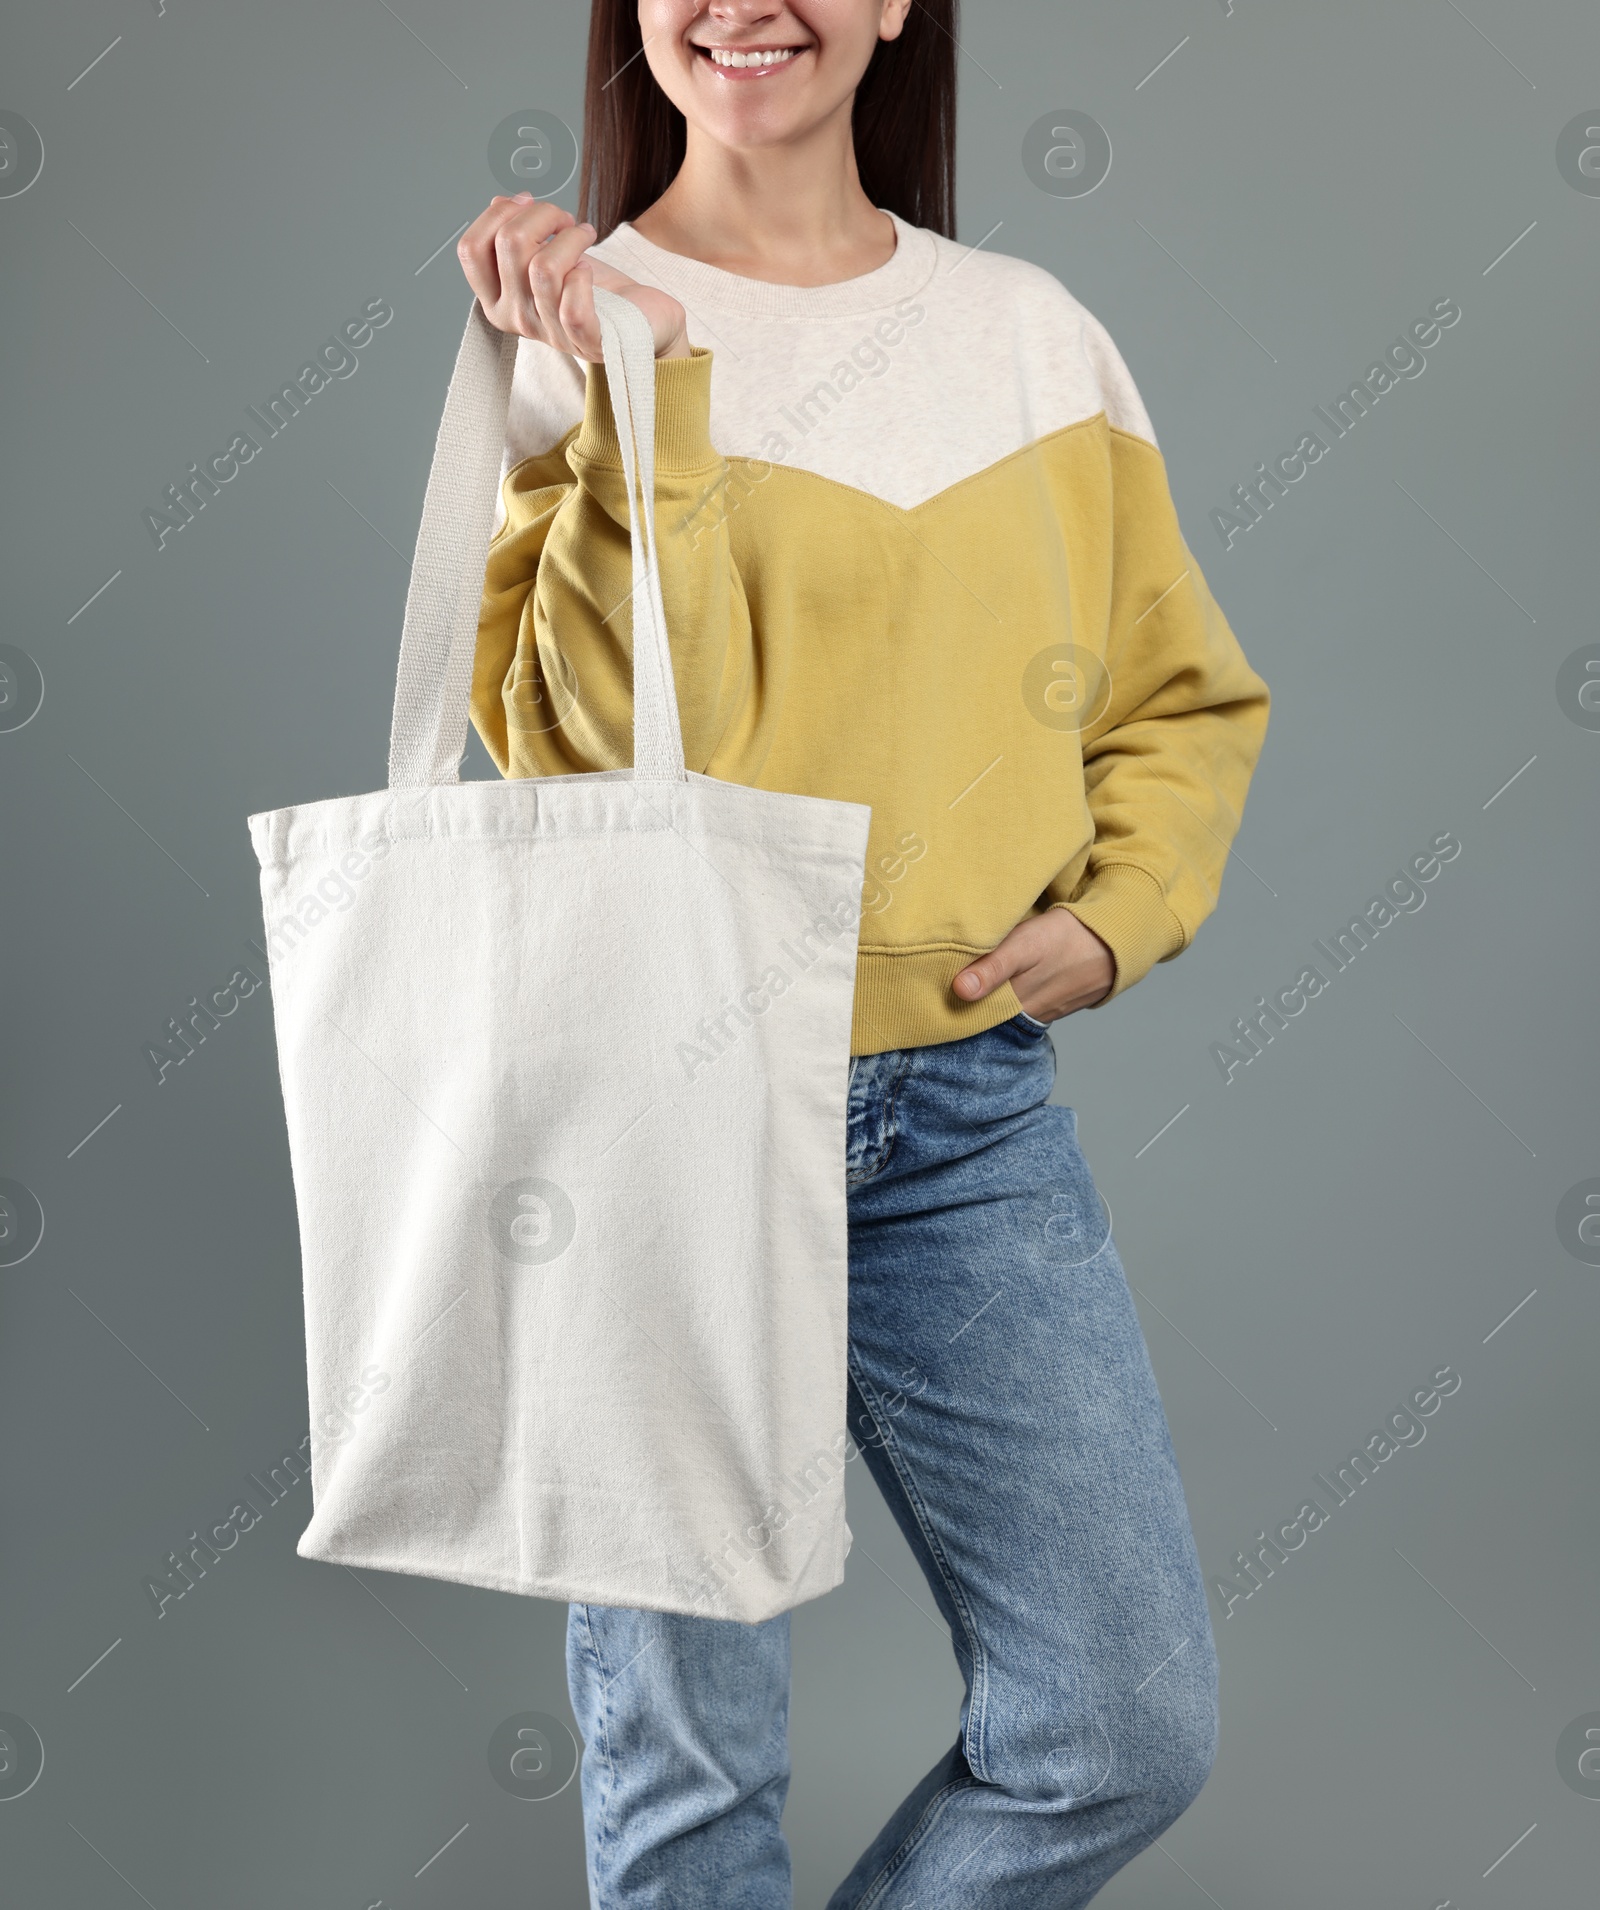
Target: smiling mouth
[[749, 63]]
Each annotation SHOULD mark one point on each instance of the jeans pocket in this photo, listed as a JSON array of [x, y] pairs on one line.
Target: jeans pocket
[[1032, 1026]]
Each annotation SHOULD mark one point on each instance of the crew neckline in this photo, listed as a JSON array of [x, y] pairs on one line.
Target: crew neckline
[[904, 272]]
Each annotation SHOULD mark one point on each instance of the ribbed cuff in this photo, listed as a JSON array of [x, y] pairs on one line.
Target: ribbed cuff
[[683, 416], [1126, 908]]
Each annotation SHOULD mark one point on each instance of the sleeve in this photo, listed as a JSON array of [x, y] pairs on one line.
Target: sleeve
[[1169, 760], [552, 688]]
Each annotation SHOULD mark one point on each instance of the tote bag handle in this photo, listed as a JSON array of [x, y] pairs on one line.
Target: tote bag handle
[[434, 685]]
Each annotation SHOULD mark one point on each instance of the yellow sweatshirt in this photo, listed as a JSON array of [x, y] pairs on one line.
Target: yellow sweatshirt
[[917, 551]]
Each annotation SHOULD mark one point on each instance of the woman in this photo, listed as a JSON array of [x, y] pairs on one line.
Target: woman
[[918, 552]]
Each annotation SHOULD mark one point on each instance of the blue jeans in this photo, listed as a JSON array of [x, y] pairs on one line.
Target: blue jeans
[[1002, 1397]]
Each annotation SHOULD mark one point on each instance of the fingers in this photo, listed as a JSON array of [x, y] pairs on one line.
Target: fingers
[[475, 251], [668, 325], [1018, 952], [476, 246], [1054, 963], [529, 264], [497, 253], [984, 976], [545, 277], [576, 314]]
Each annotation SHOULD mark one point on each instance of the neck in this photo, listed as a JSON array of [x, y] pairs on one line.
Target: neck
[[793, 214]]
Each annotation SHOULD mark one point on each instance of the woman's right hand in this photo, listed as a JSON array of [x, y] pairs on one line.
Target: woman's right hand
[[528, 262]]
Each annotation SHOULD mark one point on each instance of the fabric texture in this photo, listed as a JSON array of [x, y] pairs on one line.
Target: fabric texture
[[919, 552], [564, 1070], [1002, 1398]]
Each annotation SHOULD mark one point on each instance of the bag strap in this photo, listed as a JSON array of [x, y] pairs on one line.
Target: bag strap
[[630, 356], [433, 687]]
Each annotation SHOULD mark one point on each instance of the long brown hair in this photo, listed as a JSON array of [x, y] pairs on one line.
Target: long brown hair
[[904, 120]]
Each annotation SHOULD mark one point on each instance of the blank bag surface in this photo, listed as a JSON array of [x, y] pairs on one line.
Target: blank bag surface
[[564, 1067]]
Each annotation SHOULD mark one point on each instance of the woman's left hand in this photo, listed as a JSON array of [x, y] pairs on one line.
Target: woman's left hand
[[1054, 964]]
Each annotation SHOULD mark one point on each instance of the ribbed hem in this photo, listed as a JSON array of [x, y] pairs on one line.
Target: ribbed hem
[[683, 417], [912, 264], [1126, 908], [904, 1001]]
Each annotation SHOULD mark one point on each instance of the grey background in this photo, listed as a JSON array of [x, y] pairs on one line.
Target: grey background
[[1362, 1204]]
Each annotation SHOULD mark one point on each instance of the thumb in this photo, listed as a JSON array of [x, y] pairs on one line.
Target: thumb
[[984, 976]]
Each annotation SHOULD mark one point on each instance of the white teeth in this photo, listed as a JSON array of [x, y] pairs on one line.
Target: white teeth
[[725, 56]]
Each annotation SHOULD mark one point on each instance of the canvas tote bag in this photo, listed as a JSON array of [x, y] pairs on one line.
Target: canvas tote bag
[[564, 1066]]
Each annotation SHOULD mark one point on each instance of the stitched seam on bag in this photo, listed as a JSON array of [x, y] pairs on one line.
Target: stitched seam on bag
[[977, 1705], [565, 829], [912, 1841]]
